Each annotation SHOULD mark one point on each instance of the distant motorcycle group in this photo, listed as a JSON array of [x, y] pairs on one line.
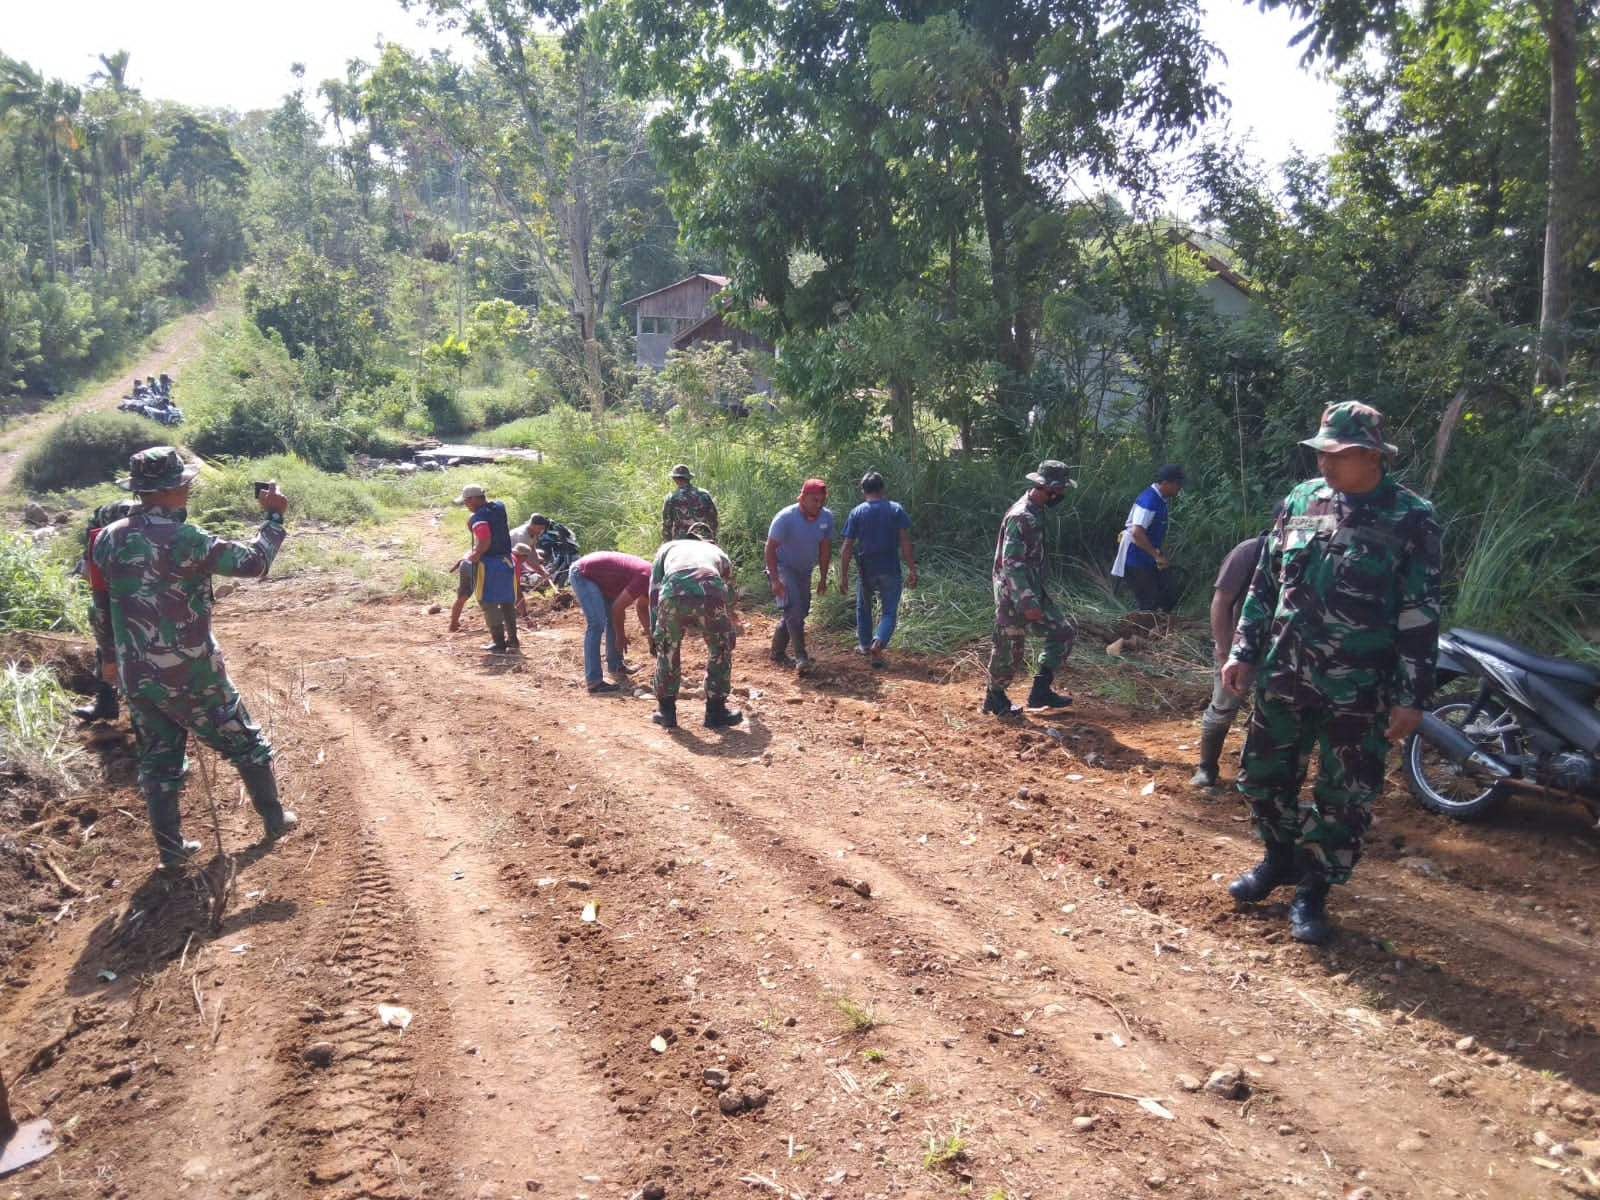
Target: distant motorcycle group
[[153, 398]]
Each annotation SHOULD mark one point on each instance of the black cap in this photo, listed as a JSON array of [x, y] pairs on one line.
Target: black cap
[[1171, 473]]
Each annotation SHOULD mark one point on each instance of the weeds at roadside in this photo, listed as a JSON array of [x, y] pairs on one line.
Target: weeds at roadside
[[872, 1055], [422, 582], [858, 1016], [944, 1151], [772, 1022], [33, 724]]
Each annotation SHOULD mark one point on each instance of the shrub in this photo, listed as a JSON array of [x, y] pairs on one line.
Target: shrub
[[86, 450], [35, 593], [247, 398]]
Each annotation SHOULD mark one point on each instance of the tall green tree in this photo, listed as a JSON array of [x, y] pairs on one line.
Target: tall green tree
[[1336, 29], [911, 151], [552, 138]]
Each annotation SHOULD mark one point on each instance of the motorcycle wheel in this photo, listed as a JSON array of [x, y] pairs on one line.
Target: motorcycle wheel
[[1444, 787]]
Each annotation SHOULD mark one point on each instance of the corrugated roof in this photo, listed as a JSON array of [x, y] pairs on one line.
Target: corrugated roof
[[720, 280]]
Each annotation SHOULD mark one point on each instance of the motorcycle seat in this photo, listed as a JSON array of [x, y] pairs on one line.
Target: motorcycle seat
[[1584, 676]]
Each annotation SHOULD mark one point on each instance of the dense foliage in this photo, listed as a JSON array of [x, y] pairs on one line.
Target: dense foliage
[[114, 210], [954, 221]]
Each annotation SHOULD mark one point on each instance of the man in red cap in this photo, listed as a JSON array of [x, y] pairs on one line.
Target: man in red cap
[[800, 538]]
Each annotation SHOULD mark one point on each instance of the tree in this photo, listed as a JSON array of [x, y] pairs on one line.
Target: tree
[[1336, 29], [911, 151], [555, 143]]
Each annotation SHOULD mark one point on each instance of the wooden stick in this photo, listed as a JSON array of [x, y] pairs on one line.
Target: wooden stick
[[1113, 1095], [337, 946], [66, 884]]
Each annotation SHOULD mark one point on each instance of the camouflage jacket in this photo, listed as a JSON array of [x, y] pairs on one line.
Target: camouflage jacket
[[1019, 571], [158, 571], [689, 565], [1343, 609], [683, 508]]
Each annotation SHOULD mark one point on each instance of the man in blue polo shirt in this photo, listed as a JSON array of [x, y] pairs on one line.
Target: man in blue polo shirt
[[487, 572], [800, 538], [882, 531], [1140, 558]]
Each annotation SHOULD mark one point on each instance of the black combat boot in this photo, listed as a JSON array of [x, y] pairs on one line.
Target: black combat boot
[[1205, 775], [995, 701], [719, 715], [666, 714], [1042, 695], [780, 643], [1273, 871], [1308, 911], [261, 783], [802, 660], [497, 631], [105, 706]]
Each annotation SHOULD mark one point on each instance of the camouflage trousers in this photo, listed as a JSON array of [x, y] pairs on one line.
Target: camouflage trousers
[[1327, 828], [701, 605], [215, 714], [105, 643], [1011, 630]]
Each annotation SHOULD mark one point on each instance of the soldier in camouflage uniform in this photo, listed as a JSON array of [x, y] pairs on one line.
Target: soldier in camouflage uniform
[[687, 506], [1342, 623], [690, 588], [105, 706], [158, 573], [1020, 600]]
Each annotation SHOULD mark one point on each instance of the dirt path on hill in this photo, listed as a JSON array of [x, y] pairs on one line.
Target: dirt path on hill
[[179, 345], [867, 944]]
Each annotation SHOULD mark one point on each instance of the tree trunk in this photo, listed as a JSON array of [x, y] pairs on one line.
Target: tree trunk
[[1555, 299], [902, 417]]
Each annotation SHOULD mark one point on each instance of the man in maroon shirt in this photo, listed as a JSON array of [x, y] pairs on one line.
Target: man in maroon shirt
[[605, 583]]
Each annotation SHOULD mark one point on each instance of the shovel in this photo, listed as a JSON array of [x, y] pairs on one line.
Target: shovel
[[21, 1144]]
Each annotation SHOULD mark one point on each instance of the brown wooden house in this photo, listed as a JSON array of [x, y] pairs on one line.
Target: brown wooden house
[[681, 316]]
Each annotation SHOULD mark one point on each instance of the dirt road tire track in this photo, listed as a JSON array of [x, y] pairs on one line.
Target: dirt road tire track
[[1026, 942]]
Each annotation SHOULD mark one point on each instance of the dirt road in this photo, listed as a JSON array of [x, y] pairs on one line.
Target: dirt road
[[177, 347], [868, 944]]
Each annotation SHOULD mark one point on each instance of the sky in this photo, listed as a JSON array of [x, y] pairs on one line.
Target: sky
[[194, 52]]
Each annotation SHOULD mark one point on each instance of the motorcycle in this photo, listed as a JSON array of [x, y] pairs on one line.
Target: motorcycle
[[1532, 728], [159, 409]]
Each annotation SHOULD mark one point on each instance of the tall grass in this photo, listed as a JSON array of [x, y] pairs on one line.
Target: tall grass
[[608, 484], [36, 593], [33, 724], [1529, 565]]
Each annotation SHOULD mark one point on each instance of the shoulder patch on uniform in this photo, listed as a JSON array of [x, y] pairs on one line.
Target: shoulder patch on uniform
[[1320, 523]]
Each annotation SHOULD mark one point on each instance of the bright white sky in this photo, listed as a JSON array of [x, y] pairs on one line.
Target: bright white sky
[[193, 51]]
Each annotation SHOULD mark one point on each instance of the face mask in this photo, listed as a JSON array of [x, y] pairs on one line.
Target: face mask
[[1052, 501]]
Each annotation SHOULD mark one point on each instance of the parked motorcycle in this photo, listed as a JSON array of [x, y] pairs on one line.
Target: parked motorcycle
[[153, 399], [1532, 728]]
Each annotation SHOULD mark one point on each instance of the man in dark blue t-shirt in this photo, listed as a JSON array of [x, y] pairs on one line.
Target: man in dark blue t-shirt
[[1140, 557], [878, 533]]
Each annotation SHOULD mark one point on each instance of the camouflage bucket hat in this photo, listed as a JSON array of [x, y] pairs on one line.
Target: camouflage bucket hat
[[157, 469], [1051, 474], [1351, 425], [681, 471]]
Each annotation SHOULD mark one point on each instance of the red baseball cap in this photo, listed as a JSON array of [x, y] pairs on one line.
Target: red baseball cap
[[813, 487]]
